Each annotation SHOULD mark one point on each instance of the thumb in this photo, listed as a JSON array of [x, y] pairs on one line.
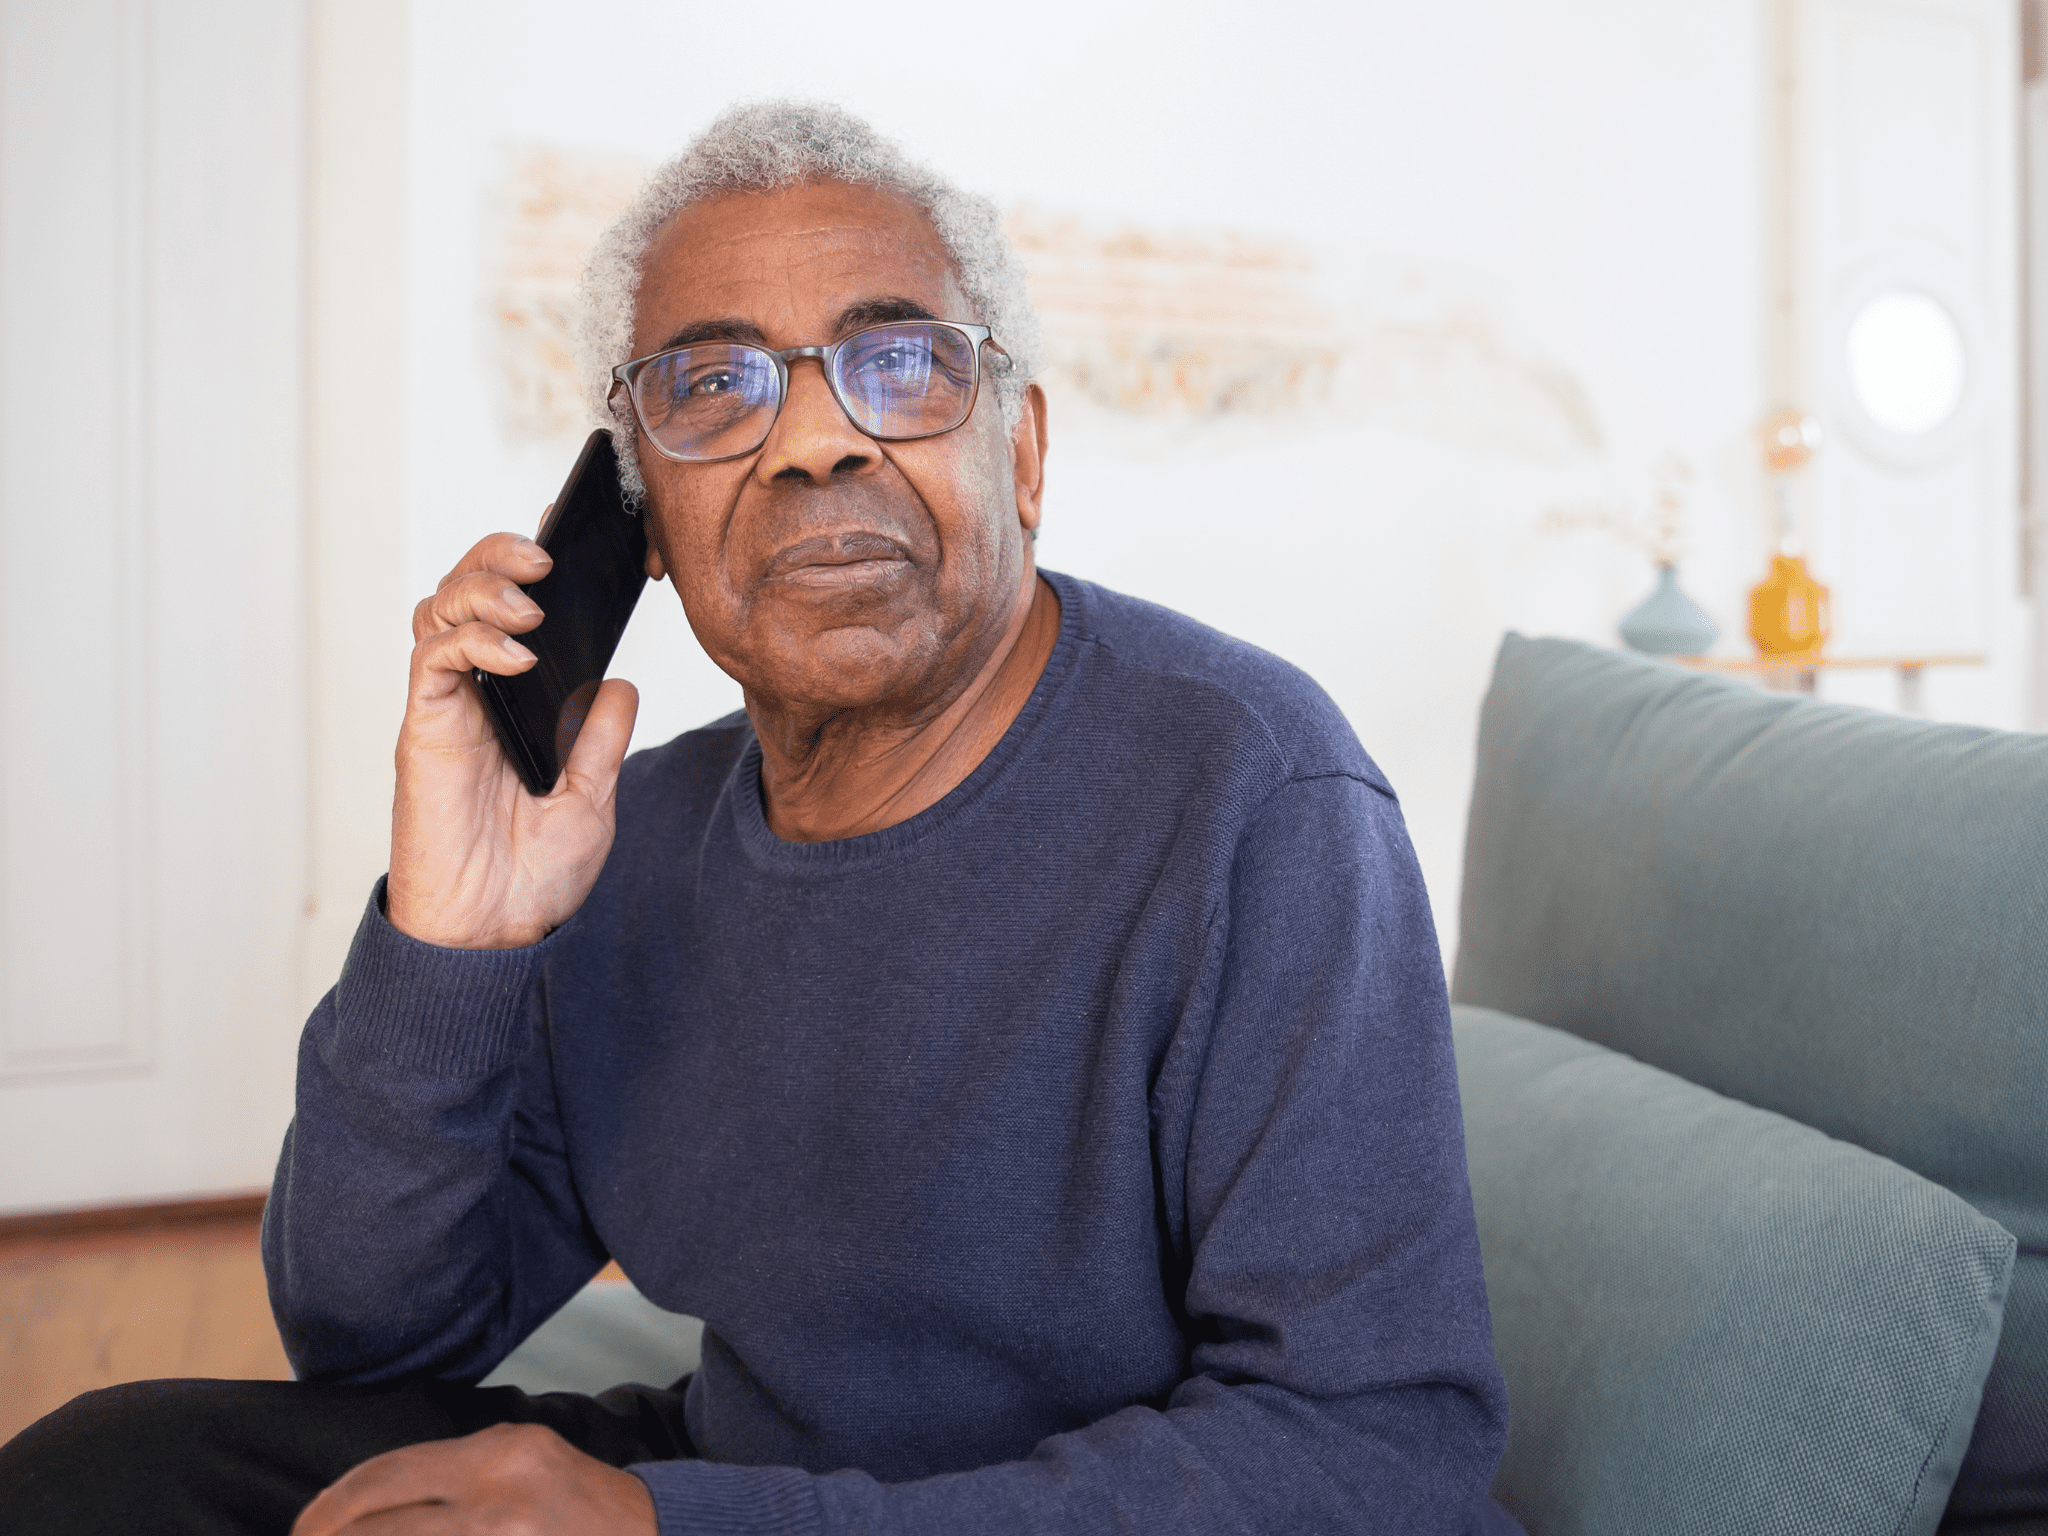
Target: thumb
[[593, 766]]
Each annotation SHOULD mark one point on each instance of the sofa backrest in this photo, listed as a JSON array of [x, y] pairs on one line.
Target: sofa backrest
[[1834, 914]]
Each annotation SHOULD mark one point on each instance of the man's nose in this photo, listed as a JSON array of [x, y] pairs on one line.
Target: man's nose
[[812, 439]]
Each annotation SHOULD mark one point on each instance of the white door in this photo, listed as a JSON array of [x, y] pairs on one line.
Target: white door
[[2034, 289], [152, 661], [1905, 197]]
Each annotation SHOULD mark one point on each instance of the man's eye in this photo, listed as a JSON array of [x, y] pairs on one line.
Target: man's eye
[[718, 381], [897, 365]]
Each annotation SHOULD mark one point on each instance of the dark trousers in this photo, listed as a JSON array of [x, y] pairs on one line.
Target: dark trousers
[[242, 1458]]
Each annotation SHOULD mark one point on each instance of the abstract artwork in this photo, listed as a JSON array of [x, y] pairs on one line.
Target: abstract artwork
[[1146, 332], [553, 204]]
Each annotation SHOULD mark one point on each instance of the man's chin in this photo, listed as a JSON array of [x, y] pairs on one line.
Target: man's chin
[[845, 666]]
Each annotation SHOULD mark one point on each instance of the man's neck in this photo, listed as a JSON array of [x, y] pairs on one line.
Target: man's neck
[[859, 776]]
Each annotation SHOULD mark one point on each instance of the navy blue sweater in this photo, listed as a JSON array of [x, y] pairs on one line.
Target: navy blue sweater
[[1082, 1154]]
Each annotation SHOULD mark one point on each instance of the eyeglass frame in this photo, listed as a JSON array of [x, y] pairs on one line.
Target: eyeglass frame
[[980, 335]]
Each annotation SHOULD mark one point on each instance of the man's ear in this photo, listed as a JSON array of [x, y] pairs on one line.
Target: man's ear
[[1027, 458], [654, 565]]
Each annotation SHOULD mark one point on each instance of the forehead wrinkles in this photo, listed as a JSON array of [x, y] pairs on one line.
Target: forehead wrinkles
[[798, 256]]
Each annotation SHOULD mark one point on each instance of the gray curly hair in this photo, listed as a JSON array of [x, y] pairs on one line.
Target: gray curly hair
[[763, 146]]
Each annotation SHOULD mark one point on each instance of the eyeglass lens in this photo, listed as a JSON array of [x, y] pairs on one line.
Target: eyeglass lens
[[717, 400]]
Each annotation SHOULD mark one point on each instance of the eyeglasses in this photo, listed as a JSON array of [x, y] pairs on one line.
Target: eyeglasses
[[718, 399]]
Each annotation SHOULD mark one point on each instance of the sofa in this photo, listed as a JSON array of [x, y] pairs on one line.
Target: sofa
[[1751, 1015], [1751, 1012]]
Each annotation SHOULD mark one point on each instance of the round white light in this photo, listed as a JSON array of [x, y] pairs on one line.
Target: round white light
[[1906, 362]]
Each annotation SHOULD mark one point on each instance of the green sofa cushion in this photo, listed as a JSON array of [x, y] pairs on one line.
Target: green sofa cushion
[[1831, 913], [1712, 1318], [606, 1335]]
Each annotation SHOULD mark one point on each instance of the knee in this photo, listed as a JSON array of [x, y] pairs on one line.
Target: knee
[[75, 1470], [117, 1406], [107, 1424], [121, 1458]]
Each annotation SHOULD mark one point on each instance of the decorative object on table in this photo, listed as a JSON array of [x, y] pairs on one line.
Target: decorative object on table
[[1788, 612], [1667, 622], [1788, 609]]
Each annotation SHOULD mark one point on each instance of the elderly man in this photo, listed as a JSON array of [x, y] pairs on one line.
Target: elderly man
[[1020, 1034]]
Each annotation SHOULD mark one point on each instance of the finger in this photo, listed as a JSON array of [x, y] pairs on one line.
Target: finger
[[435, 1470], [593, 766], [440, 662], [414, 1520], [435, 1519], [509, 554], [486, 595]]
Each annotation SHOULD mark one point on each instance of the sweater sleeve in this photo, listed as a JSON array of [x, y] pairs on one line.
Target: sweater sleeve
[[422, 1219], [1313, 1190]]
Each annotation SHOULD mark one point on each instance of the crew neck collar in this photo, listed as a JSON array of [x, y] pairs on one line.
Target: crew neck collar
[[837, 855]]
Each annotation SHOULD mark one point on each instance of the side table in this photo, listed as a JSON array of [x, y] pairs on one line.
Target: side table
[[1793, 673]]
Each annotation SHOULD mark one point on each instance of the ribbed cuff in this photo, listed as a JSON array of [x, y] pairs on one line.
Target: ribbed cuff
[[711, 1498], [421, 1008]]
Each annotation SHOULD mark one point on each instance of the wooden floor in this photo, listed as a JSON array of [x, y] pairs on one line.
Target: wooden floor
[[88, 1310], [91, 1298]]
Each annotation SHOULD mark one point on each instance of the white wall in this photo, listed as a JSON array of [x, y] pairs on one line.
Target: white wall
[[1591, 166], [1581, 180], [358, 600]]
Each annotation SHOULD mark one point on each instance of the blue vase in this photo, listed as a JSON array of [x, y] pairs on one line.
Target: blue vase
[[1667, 622]]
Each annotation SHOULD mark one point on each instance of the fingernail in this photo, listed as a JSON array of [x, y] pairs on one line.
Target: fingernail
[[521, 605], [515, 650], [526, 549]]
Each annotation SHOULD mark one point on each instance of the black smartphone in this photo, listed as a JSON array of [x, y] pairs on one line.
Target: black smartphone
[[600, 550]]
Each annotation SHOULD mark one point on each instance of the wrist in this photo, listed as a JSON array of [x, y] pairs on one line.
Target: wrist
[[430, 922]]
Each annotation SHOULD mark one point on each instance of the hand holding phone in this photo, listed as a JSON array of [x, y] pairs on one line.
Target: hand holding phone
[[478, 860]]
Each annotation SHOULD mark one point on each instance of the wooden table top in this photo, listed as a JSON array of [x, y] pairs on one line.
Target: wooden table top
[[1825, 663]]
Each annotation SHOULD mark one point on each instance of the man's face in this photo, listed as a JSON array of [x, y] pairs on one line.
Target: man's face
[[826, 570]]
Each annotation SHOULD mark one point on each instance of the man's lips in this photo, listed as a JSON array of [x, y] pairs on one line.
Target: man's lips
[[827, 558]]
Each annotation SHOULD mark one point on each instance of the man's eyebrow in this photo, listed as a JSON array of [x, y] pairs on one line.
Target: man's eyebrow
[[716, 330], [880, 312], [855, 316]]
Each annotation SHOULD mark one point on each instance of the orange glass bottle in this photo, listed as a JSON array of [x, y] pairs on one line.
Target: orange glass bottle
[[1788, 611]]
